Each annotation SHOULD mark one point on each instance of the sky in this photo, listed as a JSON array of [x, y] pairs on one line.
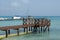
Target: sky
[[30, 7]]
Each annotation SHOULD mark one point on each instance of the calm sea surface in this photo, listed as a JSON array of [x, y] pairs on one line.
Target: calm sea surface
[[53, 34]]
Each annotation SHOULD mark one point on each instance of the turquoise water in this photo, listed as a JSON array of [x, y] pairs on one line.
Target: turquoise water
[[53, 34], [10, 23]]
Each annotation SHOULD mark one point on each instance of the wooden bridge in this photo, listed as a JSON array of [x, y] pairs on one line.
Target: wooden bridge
[[42, 24]]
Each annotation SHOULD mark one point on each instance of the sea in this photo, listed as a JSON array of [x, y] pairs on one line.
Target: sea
[[53, 34]]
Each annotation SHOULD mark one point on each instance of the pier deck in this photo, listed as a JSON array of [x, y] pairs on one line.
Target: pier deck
[[43, 24], [8, 28]]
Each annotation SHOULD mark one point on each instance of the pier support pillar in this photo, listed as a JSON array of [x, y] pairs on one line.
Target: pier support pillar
[[41, 28], [45, 29], [6, 33], [24, 29], [29, 28], [18, 32], [48, 29], [35, 29]]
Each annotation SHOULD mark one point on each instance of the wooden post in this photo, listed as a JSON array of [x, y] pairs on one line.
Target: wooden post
[[35, 29], [45, 28], [48, 28], [31, 28], [24, 29], [27, 30], [41, 28], [18, 32], [8, 31]]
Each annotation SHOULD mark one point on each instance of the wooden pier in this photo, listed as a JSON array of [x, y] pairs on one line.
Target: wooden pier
[[42, 24]]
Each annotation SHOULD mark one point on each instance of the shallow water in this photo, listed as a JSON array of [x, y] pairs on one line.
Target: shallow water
[[9, 23], [53, 34], [37, 36]]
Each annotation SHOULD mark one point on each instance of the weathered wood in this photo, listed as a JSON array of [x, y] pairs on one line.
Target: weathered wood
[[6, 33], [18, 32], [31, 28], [36, 24], [27, 30], [45, 29], [41, 28], [24, 29], [48, 29]]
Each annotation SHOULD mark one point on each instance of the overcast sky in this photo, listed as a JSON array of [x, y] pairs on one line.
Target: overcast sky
[[30, 7]]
